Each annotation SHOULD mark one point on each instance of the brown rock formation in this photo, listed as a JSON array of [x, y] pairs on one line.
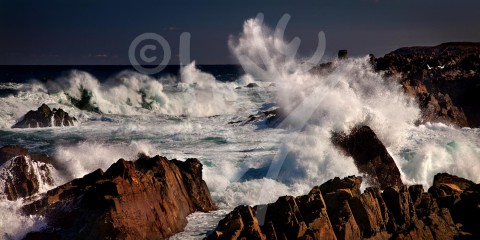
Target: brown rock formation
[[288, 218], [445, 178], [445, 80], [23, 175], [146, 199], [461, 197], [45, 117], [337, 210], [370, 156]]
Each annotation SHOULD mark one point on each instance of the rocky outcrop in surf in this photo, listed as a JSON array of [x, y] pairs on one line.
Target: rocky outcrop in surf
[[269, 118], [146, 199], [338, 210], [444, 79], [45, 117], [370, 156], [23, 175]]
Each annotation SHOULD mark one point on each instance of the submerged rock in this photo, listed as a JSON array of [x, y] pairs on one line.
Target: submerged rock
[[146, 199], [251, 85], [270, 118], [337, 210], [45, 117], [370, 156], [85, 101]]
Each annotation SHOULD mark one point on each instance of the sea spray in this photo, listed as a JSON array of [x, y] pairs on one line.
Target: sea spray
[[203, 95], [435, 148], [346, 94], [130, 93], [75, 161], [14, 225], [350, 93]]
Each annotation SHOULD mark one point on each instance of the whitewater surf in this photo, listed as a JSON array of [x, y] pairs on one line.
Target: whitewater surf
[[186, 115]]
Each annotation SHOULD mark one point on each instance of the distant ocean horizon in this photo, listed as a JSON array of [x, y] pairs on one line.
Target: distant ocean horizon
[[25, 73]]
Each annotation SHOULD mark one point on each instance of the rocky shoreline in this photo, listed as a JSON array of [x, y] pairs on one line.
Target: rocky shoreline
[[150, 198], [338, 210], [444, 79], [146, 199]]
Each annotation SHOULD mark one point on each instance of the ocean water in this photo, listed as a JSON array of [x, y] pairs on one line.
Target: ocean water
[[184, 113]]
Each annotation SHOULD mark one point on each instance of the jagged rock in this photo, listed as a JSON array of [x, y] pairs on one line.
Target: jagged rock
[[314, 213], [146, 199], [439, 220], [438, 107], [461, 197], [341, 215], [239, 223], [445, 178], [444, 78], [23, 175], [400, 206], [288, 218], [467, 209], [370, 156], [370, 212], [448, 188], [45, 117], [335, 210], [351, 183]]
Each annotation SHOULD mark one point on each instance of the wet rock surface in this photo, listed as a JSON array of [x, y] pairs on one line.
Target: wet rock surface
[[338, 210], [45, 117], [444, 79], [370, 156], [146, 199], [22, 174]]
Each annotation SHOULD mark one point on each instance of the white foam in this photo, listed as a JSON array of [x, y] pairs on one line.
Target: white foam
[[14, 225], [435, 148], [352, 93], [256, 191], [302, 153], [45, 174], [77, 160], [132, 93], [193, 93]]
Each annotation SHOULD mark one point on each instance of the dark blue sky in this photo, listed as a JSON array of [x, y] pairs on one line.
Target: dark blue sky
[[100, 31]]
